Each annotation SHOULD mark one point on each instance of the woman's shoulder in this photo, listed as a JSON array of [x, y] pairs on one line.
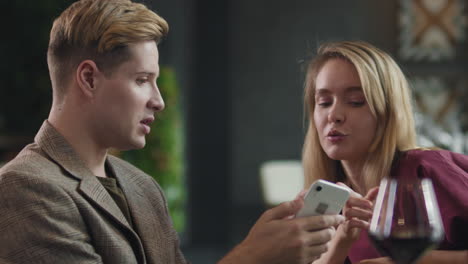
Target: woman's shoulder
[[433, 156], [435, 161]]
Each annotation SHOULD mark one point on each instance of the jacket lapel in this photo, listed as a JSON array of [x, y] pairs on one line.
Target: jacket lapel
[[143, 211], [132, 187], [93, 189], [58, 149]]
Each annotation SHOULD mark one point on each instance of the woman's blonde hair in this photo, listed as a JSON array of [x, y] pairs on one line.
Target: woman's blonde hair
[[99, 30], [387, 93]]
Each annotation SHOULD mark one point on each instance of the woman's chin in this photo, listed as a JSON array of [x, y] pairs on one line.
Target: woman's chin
[[337, 155]]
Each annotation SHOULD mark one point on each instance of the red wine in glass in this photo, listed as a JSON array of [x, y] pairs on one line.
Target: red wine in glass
[[406, 222]]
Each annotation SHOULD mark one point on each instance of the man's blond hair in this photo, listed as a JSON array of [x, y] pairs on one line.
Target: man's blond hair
[[99, 30]]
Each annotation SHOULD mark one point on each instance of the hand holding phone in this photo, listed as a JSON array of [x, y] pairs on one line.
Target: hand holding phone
[[324, 198]]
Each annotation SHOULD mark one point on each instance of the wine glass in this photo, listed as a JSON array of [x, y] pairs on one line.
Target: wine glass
[[406, 221]]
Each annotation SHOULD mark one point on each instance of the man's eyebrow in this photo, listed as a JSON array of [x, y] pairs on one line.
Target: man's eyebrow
[[146, 72]]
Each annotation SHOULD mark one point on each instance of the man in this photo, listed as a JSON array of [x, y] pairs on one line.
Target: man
[[63, 199]]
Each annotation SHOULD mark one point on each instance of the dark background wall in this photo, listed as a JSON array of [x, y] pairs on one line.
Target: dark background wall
[[267, 41]]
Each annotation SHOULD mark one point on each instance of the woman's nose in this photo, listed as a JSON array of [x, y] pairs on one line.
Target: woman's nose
[[336, 114]]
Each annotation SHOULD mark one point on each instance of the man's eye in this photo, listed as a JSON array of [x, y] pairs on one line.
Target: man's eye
[[141, 81]]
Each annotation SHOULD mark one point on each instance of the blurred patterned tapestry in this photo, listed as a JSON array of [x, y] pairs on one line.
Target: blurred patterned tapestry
[[432, 36], [441, 112], [431, 29]]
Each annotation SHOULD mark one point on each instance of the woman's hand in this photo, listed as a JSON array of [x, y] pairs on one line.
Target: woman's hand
[[358, 212]]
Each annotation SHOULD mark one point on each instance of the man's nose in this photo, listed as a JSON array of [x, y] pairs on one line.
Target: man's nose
[[156, 103]]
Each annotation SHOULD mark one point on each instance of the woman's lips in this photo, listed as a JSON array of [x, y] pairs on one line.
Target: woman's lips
[[336, 138]]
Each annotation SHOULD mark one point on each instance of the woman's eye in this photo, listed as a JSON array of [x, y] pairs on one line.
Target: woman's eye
[[324, 104], [357, 103], [323, 101]]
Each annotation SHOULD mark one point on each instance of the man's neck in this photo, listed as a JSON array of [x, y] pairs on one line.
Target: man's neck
[[81, 139]]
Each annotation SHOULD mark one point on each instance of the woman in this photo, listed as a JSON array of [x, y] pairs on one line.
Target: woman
[[361, 129]]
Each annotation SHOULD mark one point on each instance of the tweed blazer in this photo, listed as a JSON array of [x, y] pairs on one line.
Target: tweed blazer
[[54, 210]]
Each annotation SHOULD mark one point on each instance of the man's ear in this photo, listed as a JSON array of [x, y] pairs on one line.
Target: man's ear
[[86, 77]]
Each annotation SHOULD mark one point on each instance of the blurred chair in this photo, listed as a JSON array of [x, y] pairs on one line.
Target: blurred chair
[[281, 180]]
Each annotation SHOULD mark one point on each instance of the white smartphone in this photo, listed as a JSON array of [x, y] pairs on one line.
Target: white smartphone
[[324, 198]]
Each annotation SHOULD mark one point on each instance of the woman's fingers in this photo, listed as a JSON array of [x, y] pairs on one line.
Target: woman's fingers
[[359, 213], [356, 223], [372, 194], [359, 202]]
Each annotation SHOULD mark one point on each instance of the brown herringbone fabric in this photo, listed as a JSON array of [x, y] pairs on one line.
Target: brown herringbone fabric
[[54, 210]]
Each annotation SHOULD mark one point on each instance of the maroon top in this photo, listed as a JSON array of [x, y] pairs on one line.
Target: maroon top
[[449, 174]]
